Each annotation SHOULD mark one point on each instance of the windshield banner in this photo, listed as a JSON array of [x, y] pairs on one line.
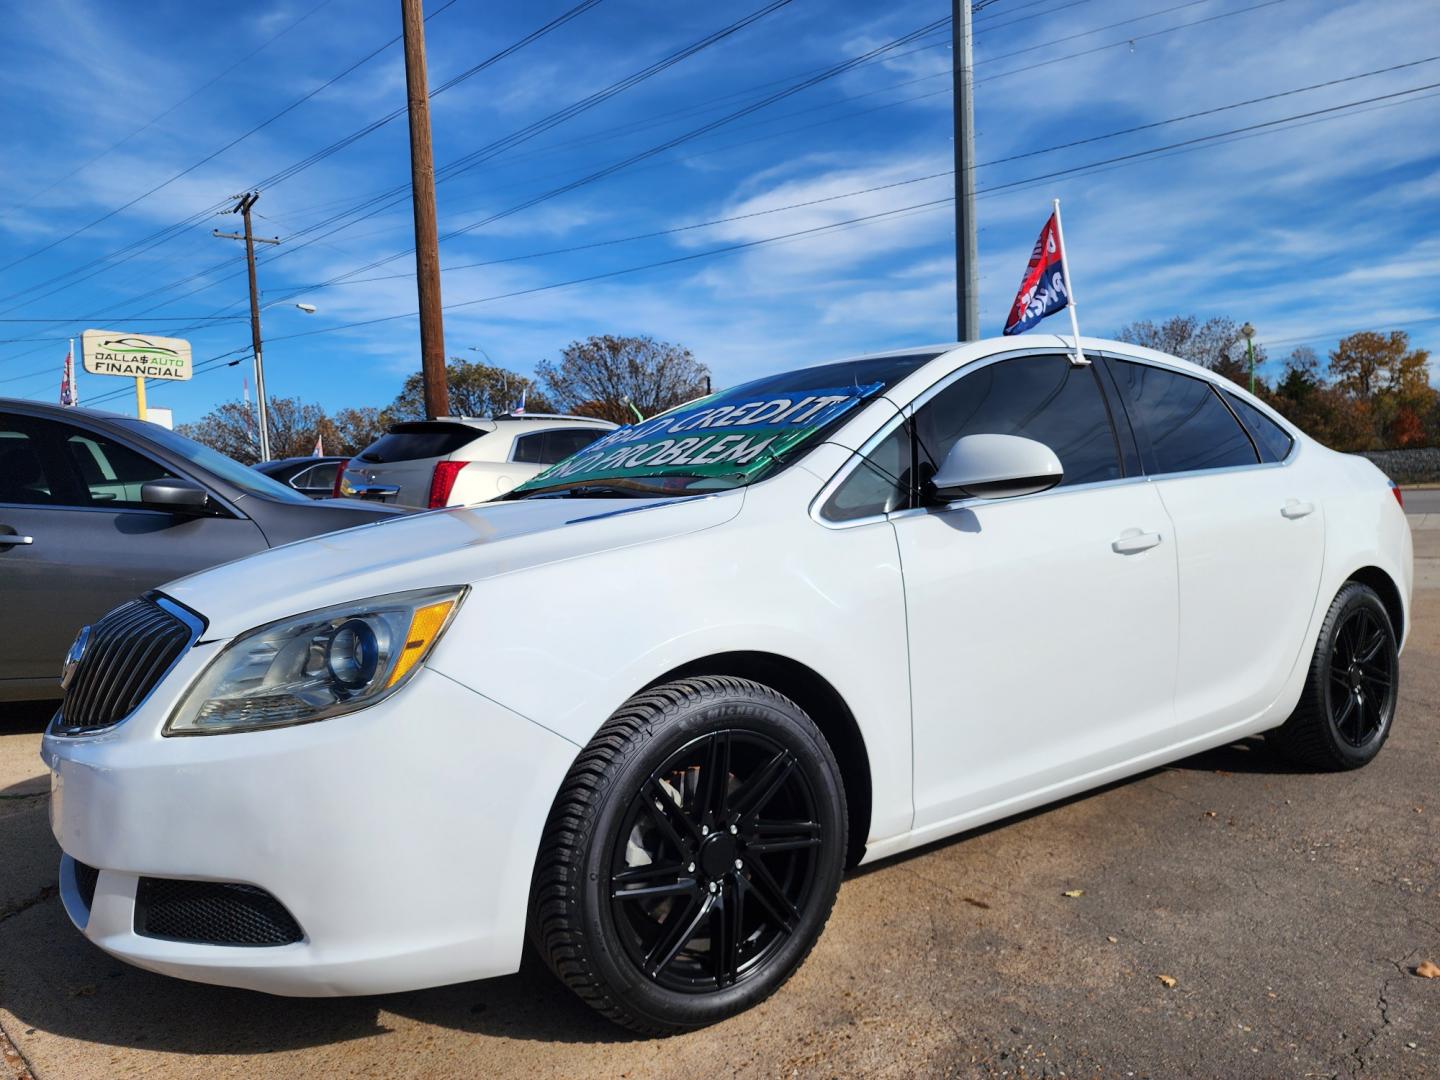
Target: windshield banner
[[709, 437]]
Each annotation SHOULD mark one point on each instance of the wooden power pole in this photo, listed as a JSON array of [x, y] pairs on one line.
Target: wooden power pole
[[242, 207], [427, 242]]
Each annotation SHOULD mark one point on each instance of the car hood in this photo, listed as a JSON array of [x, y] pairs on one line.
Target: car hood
[[458, 546]]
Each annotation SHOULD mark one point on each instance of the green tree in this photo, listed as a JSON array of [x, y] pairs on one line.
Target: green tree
[[476, 389], [352, 430], [604, 376]]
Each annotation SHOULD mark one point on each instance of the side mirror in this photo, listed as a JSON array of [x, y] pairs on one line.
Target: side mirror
[[996, 467], [174, 494]]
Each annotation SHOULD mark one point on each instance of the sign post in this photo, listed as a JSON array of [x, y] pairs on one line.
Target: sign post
[[141, 357]]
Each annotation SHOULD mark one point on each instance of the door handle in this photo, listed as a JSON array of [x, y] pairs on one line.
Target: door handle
[[1132, 541], [1294, 508], [11, 538]]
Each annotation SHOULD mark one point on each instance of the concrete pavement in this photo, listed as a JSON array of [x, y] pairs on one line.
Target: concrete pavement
[[1290, 909]]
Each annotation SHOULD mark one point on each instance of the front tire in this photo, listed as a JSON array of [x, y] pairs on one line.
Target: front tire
[[1347, 708], [692, 856]]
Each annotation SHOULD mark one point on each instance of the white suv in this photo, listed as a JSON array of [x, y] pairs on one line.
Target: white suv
[[458, 460]]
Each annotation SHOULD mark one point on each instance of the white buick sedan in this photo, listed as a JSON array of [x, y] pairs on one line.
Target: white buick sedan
[[649, 707]]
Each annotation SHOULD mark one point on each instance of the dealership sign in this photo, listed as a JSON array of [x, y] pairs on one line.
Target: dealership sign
[[110, 352], [727, 434]]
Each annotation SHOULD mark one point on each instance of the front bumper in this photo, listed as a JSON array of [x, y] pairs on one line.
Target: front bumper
[[401, 837]]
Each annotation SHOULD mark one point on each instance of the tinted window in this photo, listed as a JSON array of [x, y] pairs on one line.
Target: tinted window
[[1045, 398], [1182, 420], [211, 461], [321, 476], [110, 472], [411, 442], [1272, 440], [554, 446], [878, 484], [23, 476]]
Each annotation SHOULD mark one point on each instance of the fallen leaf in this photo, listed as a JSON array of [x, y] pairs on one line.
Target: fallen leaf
[[1168, 980], [976, 903], [1112, 939], [1428, 969], [83, 991], [1074, 893], [1209, 813]]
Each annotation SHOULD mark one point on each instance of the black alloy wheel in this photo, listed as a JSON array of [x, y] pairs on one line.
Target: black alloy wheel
[[692, 855], [1362, 677], [715, 861], [1347, 707]]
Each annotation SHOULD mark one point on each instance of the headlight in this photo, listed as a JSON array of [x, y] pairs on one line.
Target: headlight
[[317, 665]]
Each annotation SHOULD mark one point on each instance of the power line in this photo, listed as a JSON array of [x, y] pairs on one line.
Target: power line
[[1117, 161], [209, 157], [187, 98]]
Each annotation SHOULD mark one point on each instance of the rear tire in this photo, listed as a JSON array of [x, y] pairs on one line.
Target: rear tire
[[692, 855], [1347, 708]]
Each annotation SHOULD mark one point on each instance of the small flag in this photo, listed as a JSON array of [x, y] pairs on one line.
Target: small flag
[[69, 393], [245, 382], [319, 450], [519, 410], [1043, 289]]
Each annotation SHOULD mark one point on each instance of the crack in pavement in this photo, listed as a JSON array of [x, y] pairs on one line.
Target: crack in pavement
[[45, 893], [18, 1067], [1382, 1004]]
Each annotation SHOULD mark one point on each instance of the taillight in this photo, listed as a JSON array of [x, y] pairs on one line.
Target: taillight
[[443, 482], [1395, 490], [336, 492]]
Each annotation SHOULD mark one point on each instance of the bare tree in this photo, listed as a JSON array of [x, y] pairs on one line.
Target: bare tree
[[230, 428], [1215, 343], [605, 376]]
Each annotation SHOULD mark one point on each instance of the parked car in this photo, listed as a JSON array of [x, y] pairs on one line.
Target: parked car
[[654, 702], [95, 508], [312, 476], [455, 461]]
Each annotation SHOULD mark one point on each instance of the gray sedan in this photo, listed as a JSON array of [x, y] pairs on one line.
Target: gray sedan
[[96, 508]]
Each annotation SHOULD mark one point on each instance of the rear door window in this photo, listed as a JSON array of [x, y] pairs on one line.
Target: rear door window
[[411, 442], [24, 478], [1271, 439], [555, 445], [1181, 423]]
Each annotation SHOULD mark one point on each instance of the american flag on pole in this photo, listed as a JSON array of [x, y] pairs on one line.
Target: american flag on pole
[[69, 394], [319, 450]]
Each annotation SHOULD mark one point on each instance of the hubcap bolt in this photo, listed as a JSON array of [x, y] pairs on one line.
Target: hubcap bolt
[[712, 886], [739, 863], [690, 869], [704, 830], [733, 830]]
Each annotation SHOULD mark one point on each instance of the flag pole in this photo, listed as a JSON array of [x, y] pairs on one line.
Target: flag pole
[[1079, 358]]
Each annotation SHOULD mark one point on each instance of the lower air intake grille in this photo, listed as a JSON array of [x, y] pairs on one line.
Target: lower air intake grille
[[212, 913], [85, 880]]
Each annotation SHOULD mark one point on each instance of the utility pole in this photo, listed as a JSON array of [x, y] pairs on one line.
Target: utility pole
[[422, 188], [1249, 333], [242, 207], [967, 272]]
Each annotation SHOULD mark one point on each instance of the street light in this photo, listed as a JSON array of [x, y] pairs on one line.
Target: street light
[[1248, 332]]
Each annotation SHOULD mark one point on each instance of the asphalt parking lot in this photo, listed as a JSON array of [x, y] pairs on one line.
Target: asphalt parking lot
[[1289, 910]]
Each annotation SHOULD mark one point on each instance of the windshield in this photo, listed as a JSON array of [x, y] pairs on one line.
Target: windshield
[[419, 439], [215, 463], [726, 440]]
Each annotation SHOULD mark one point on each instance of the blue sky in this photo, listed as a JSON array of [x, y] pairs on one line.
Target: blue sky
[[1309, 229]]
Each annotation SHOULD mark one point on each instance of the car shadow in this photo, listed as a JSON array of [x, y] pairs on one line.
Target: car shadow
[[53, 980], [21, 717]]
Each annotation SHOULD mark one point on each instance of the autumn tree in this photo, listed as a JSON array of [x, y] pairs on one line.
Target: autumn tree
[[231, 428], [1216, 343], [476, 389], [1368, 363], [604, 376]]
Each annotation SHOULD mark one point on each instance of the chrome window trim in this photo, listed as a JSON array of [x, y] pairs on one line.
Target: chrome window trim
[[924, 396], [196, 625]]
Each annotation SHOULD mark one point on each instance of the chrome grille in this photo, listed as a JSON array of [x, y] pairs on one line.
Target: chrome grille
[[129, 651]]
